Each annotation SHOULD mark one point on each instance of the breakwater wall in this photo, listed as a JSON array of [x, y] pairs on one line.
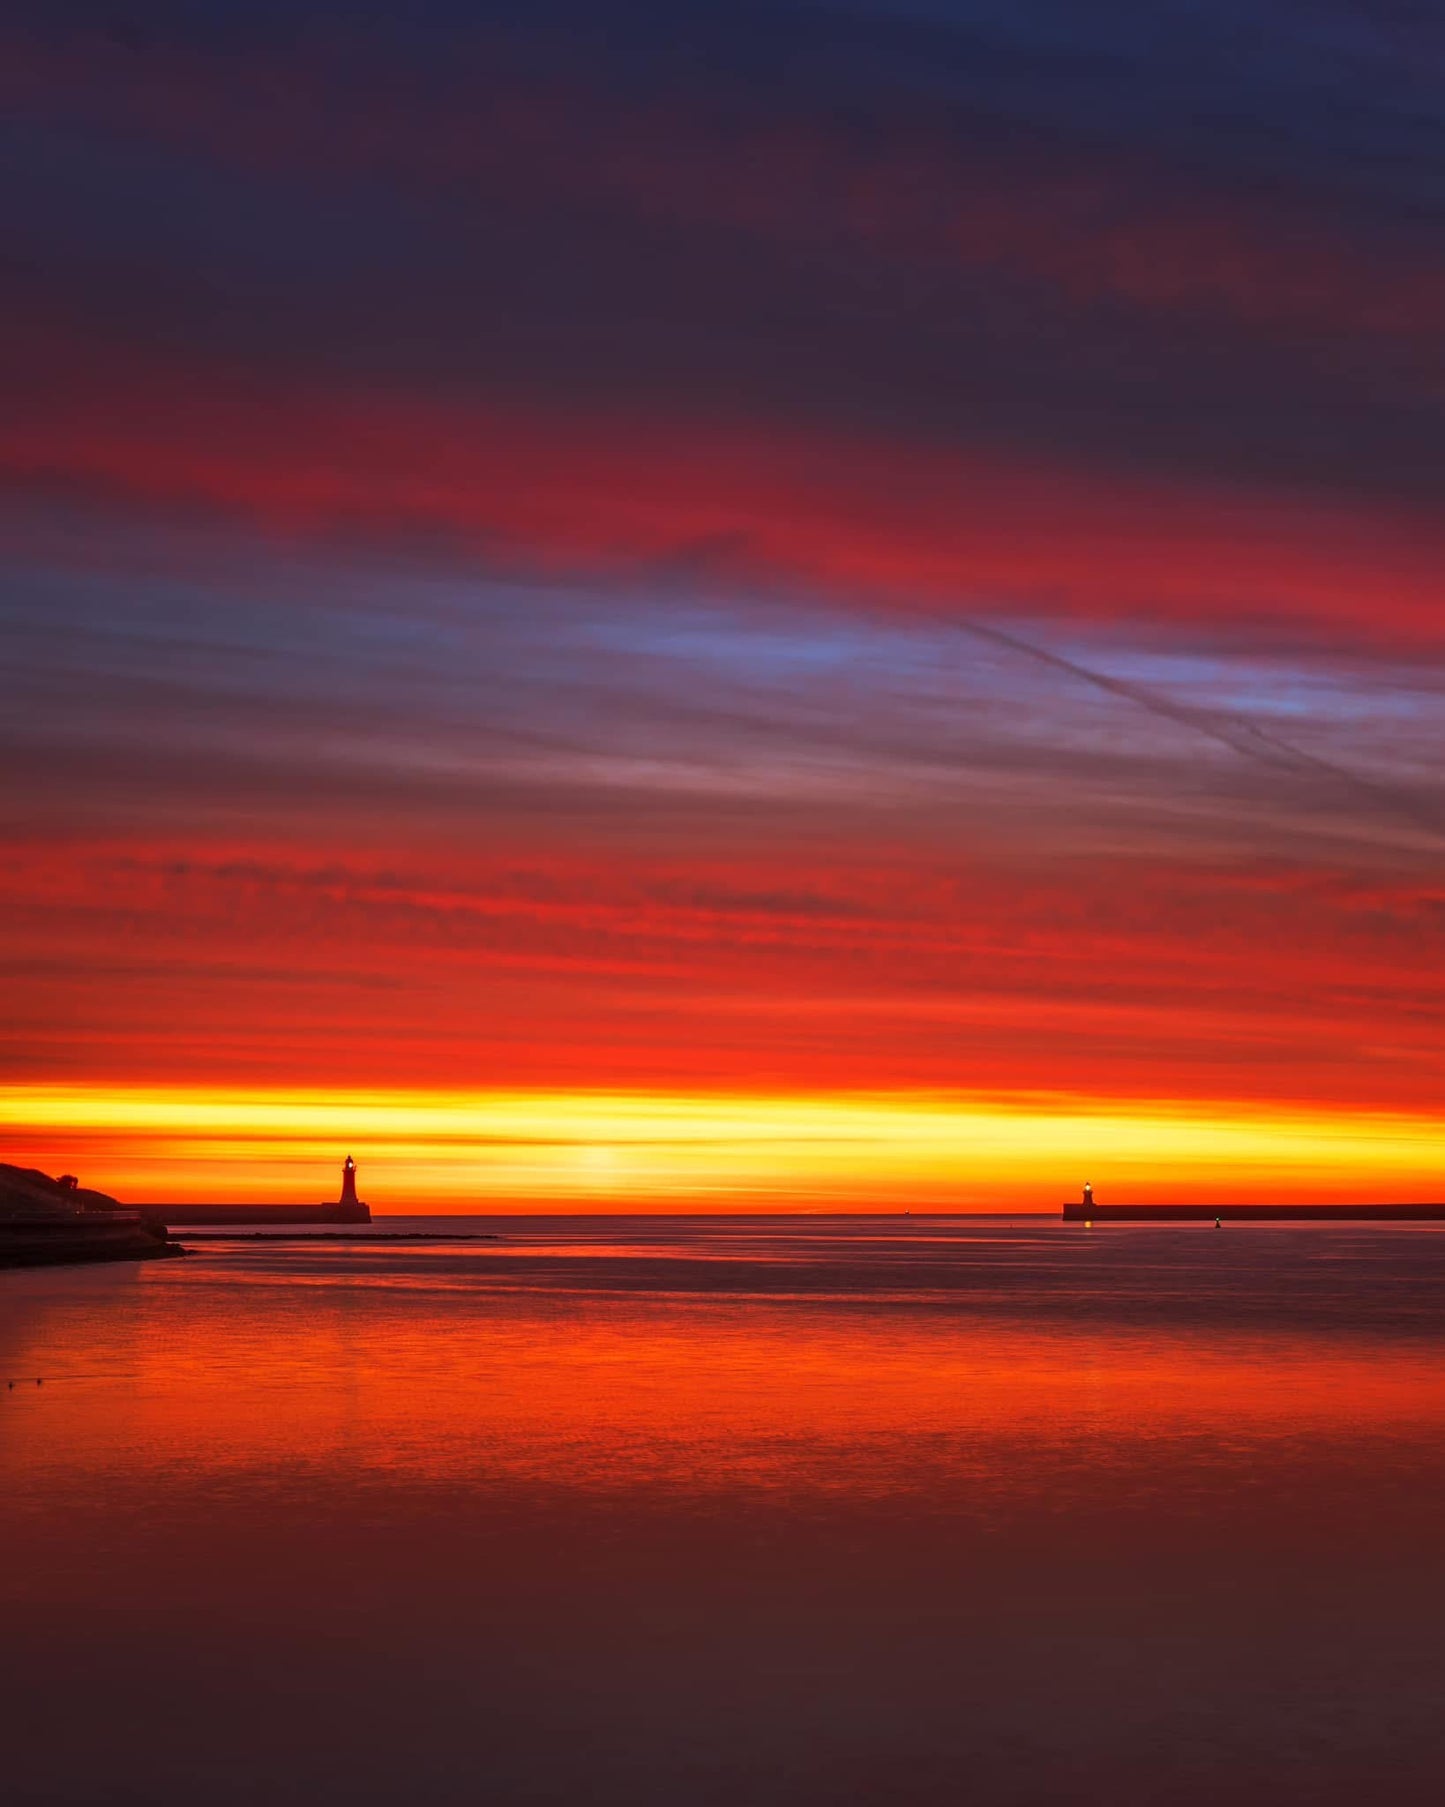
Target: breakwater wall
[[1276, 1214], [256, 1216]]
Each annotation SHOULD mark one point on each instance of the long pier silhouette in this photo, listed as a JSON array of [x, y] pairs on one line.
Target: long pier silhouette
[[347, 1209], [1088, 1210]]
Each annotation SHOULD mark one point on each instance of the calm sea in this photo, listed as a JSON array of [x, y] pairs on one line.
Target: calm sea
[[756, 1511]]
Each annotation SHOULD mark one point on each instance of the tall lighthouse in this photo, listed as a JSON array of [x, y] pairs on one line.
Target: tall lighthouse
[[349, 1205]]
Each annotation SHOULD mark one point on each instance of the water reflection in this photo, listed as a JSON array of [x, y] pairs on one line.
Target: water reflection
[[890, 1499]]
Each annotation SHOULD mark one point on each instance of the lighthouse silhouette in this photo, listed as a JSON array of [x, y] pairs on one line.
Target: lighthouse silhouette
[[349, 1205]]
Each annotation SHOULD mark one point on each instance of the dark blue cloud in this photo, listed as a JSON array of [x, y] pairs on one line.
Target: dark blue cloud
[[296, 252]]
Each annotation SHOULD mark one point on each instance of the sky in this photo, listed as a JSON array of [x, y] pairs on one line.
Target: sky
[[620, 605]]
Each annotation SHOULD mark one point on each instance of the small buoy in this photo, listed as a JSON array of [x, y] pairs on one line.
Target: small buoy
[[1218, 1224]]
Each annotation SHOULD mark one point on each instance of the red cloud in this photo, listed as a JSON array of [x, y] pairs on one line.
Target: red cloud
[[877, 522], [1128, 977]]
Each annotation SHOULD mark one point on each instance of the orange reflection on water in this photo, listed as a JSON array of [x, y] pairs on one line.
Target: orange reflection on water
[[589, 1515], [304, 1365]]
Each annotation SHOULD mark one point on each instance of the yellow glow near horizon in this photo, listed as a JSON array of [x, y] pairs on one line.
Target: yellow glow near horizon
[[608, 1151]]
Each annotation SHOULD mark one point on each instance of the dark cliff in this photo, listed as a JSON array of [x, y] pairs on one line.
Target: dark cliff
[[44, 1221]]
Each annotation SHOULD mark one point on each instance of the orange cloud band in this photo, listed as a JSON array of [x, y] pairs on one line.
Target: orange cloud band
[[595, 1150]]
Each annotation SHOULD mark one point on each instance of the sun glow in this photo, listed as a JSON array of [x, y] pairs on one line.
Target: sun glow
[[598, 1150]]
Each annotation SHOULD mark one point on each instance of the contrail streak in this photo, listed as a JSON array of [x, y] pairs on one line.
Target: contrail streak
[[1243, 737]]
